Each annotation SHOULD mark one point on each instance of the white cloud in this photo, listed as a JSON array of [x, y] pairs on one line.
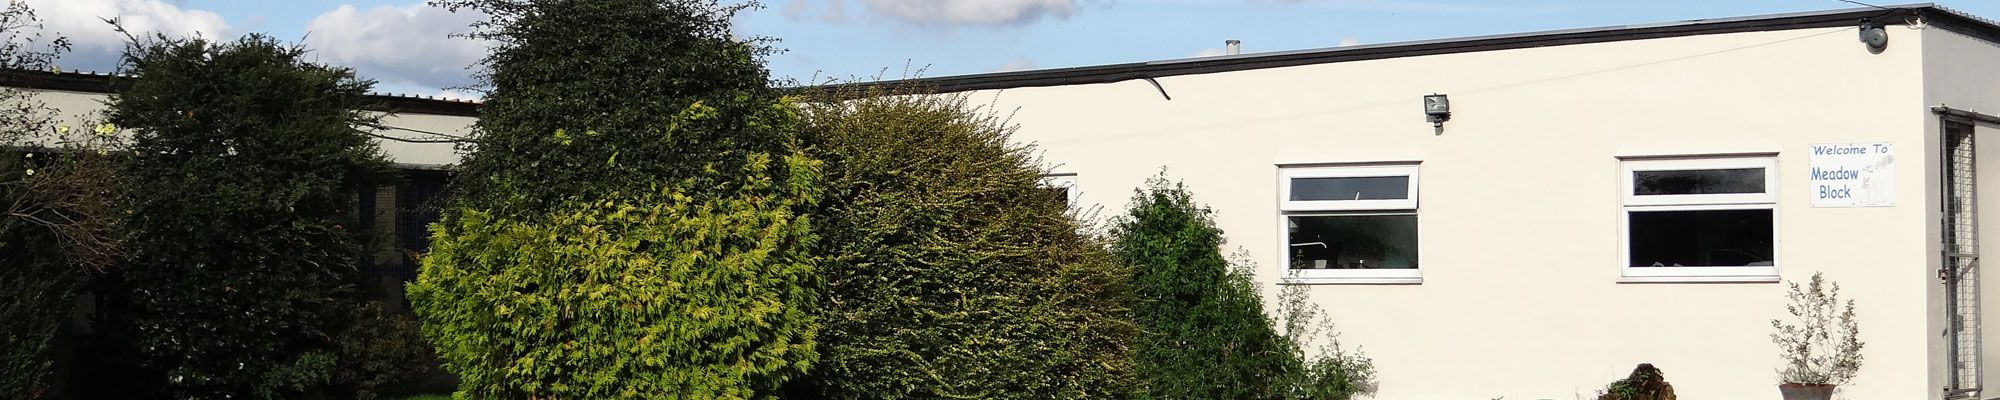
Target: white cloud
[[940, 13], [1019, 64], [1209, 52], [97, 45], [972, 12], [408, 46], [1348, 41]]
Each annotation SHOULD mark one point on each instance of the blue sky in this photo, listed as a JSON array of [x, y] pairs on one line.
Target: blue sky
[[402, 43]]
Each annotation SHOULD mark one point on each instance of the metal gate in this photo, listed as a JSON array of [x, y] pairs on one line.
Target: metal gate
[[1960, 271]]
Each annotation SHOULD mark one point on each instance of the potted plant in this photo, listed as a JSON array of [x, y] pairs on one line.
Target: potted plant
[[1821, 343]]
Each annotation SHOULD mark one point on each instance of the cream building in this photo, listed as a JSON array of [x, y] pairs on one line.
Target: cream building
[[1597, 198]]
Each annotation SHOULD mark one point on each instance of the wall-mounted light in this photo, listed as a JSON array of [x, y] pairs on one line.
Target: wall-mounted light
[[1438, 109], [1874, 36]]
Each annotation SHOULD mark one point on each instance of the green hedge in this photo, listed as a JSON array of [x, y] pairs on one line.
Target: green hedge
[[651, 296], [950, 272]]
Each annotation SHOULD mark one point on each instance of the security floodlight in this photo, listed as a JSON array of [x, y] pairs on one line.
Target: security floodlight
[[1438, 109]]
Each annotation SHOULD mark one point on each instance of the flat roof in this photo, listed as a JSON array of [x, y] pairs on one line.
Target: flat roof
[[1929, 14], [90, 82]]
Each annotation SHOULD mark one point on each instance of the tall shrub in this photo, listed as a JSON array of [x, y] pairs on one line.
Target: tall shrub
[[241, 197], [656, 296], [1205, 335], [632, 221], [593, 97], [949, 273]]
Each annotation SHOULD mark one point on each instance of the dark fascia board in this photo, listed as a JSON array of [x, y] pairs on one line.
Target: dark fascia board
[[108, 84], [1890, 15]]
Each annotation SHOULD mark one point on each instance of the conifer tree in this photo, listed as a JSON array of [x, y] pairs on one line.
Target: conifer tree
[[631, 219], [950, 273]]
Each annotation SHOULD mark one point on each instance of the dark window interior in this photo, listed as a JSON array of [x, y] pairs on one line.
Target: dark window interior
[[1351, 188], [1707, 238], [418, 204], [1698, 181], [1353, 241]]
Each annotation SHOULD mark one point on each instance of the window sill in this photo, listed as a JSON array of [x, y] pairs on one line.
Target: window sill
[[1352, 280], [1701, 279]]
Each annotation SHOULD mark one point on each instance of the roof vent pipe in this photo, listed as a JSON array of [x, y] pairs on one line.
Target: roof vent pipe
[[1232, 47]]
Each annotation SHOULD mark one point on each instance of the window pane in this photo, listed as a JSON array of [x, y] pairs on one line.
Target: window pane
[[1709, 238], [1351, 188], [1698, 181], [1353, 242]]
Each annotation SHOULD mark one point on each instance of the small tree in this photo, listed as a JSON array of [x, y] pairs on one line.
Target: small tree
[[241, 197], [1204, 332], [949, 272], [631, 221], [1328, 371], [1821, 344]]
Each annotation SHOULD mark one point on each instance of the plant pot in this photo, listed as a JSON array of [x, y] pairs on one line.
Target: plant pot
[[1796, 391]]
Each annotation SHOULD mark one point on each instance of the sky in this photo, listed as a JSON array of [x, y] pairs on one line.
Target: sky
[[406, 46]]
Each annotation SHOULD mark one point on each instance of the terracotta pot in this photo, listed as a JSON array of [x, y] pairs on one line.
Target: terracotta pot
[[1795, 391]]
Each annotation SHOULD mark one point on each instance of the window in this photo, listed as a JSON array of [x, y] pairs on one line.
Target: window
[[1700, 220], [1063, 186], [1350, 224]]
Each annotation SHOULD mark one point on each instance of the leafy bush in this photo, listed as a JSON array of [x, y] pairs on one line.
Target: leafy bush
[[380, 350], [587, 99], [1645, 383], [632, 220], [949, 273], [1821, 345], [1205, 335], [241, 266], [39, 290], [656, 296], [1330, 371]]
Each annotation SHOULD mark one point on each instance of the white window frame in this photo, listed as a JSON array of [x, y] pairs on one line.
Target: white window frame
[[1067, 182], [1288, 208], [1768, 200]]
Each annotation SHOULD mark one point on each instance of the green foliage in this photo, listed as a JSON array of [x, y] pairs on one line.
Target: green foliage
[[950, 274], [589, 98], [632, 216], [39, 288], [380, 350], [1330, 371], [240, 267], [1821, 344], [660, 296], [1205, 332], [1645, 383]]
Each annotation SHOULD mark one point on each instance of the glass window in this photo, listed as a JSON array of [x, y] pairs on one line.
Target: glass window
[[1351, 188], [1063, 186], [1701, 238], [1698, 181], [1353, 241], [1700, 220], [1349, 224]]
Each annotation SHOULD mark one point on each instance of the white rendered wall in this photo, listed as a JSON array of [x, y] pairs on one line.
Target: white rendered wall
[[1520, 205]]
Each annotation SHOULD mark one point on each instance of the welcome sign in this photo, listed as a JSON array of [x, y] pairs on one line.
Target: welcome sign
[[1852, 175]]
